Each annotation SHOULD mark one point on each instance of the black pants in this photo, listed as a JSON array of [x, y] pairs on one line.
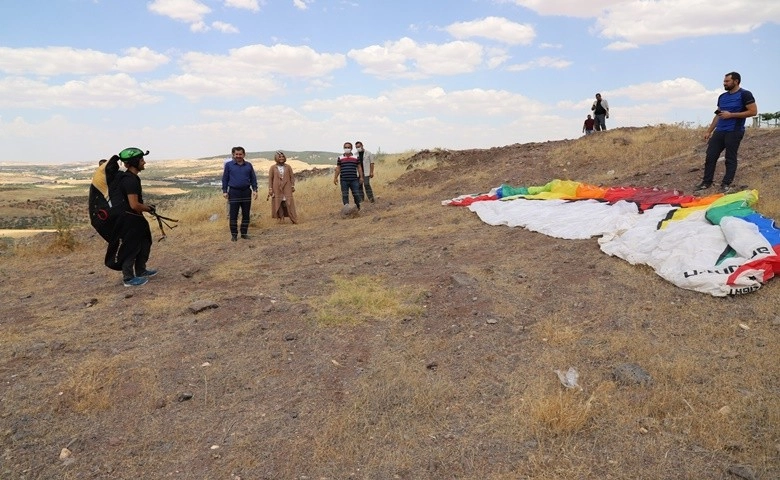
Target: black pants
[[133, 266], [720, 141], [239, 198]]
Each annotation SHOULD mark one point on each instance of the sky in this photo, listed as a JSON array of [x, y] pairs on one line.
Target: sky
[[82, 79]]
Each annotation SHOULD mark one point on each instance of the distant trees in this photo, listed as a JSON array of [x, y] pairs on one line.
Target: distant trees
[[768, 117]]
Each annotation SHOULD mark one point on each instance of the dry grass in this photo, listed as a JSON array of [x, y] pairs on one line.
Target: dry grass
[[371, 361], [362, 298]]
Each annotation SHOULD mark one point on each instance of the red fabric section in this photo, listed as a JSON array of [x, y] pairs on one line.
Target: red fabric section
[[769, 265]]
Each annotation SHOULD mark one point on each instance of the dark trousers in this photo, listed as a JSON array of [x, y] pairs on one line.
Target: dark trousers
[[239, 198], [346, 186], [601, 122], [136, 264], [366, 191], [720, 141]]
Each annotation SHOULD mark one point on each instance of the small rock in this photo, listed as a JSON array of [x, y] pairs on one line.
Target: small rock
[[462, 280], [729, 354], [349, 211], [160, 403], [725, 410], [91, 302], [201, 305], [491, 321], [190, 272], [742, 471], [114, 441], [184, 396], [776, 321], [289, 337], [631, 374], [65, 453], [432, 365]]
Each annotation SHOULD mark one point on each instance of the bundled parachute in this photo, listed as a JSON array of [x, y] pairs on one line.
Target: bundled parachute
[[716, 244]]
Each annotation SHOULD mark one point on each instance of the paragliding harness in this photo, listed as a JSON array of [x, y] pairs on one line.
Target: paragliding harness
[[102, 212]]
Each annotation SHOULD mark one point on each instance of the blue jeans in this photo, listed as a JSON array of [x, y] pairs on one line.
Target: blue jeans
[[601, 122], [346, 186], [720, 141]]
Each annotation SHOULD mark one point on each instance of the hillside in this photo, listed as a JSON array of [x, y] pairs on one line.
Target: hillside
[[411, 342]]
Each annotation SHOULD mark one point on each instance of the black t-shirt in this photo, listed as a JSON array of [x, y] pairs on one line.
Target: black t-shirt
[[123, 185], [599, 109]]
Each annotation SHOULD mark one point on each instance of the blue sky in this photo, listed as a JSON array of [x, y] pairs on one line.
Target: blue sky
[[83, 79]]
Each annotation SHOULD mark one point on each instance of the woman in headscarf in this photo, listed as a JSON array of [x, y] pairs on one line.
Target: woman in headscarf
[[281, 185]]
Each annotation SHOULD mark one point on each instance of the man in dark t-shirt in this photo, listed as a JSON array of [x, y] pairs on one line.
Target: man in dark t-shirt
[[131, 240], [726, 131]]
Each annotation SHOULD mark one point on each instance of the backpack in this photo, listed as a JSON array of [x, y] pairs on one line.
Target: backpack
[[100, 212]]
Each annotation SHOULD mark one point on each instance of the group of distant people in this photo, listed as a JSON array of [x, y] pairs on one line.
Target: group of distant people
[[600, 109], [725, 131], [239, 185], [132, 237]]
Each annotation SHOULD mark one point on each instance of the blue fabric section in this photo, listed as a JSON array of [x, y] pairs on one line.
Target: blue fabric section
[[766, 226]]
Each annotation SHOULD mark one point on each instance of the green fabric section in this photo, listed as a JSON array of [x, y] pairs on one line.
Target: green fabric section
[[735, 205]]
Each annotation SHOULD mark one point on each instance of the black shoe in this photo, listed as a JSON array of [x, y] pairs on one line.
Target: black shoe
[[702, 186], [245, 236], [724, 188], [234, 238]]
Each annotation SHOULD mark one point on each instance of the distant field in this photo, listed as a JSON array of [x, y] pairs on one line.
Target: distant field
[[12, 233]]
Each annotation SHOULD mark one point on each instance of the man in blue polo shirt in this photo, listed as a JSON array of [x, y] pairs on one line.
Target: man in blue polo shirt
[[239, 186], [726, 131]]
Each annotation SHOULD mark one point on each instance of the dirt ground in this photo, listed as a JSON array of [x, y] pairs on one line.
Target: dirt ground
[[218, 369]]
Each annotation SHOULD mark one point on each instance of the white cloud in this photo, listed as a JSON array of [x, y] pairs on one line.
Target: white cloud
[[224, 27], [140, 60], [568, 8], [620, 46], [302, 4], [188, 11], [250, 71], [494, 28], [296, 61], [541, 62], [431, 99], [48, 61], [496, 57], [406, 58], [103, 91], [195, 87], [199, 27], [252, 5], [660, 21], [682, 91], [643, 22]]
